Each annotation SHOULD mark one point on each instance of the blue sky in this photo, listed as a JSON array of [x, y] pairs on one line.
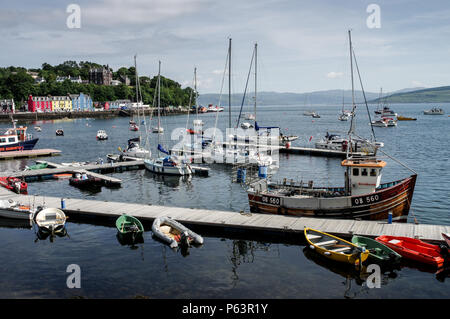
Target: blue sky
[[302, 45]]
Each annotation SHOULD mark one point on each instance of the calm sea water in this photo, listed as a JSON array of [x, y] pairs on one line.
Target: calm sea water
[[222, 267]]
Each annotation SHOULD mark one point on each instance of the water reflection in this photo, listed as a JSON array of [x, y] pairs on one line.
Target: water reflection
[[130, 239], [43, 234], [243, 251], [171, 181], [350, 273], [16, 223]]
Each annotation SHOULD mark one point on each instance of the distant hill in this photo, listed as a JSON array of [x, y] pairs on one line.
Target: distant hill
[[431, 95], [327, 97]]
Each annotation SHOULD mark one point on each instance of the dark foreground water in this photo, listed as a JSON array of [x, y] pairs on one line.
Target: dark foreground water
[[222, 267]]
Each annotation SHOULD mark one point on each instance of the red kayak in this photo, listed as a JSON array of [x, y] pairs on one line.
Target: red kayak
[[414, 249], [14, 184]]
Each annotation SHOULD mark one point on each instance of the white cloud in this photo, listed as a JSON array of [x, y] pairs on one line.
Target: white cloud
[[334, 75]]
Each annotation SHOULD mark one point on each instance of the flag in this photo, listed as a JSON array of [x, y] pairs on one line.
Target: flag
[[161, 149], [310, 138]]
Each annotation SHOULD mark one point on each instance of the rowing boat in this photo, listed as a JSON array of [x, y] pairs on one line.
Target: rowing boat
[[127, 224], [51, 220], [377, 251], [335, 248], [414, 249]]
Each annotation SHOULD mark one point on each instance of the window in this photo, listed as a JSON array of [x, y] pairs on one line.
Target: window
[[364, 172], [356, 172], [11, 139], [373, 172], [2, 140]]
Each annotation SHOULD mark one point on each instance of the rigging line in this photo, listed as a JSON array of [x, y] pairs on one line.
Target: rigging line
[[245, 91], [220, 96], [364, 94], [389, 156], [189, 106]]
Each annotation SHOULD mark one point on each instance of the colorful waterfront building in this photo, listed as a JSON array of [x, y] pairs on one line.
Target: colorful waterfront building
[[81, 102], [40, 104], [61, 103], [7, 106]]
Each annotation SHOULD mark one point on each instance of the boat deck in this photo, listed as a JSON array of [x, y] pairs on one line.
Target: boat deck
[[245, 224]]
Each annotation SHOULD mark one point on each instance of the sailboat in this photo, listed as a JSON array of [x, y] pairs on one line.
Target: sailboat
[[169, 164], [363, 196], [134, 149], [345, 114]]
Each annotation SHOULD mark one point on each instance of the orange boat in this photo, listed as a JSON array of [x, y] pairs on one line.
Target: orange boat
[[14, 184], [62, 176], [416, 249]]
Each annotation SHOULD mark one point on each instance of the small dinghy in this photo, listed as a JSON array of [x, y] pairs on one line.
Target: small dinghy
[[129, 227], [51, 220], [59, 132], [415, 249], [174, 233], [335, 248], [377, 251], [12, 209]]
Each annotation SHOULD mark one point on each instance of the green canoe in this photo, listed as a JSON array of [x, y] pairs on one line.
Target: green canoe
[[127, 224], [377, 250]]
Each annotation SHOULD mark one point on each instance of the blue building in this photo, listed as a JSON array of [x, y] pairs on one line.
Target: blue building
[[81, 102]]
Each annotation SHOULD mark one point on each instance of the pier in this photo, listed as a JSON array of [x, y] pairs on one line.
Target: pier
[[245, 224], [29, 154]]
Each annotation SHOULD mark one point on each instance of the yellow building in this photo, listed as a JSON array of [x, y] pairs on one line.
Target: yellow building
[[61, 104]]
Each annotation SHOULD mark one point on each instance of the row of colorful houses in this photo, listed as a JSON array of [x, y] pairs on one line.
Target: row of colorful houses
[[67, 103]]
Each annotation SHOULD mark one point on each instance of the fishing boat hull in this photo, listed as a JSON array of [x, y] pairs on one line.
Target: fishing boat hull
[[171, 231], [392, 198], [377, 251], [414, 249], [19, 146], [335, 248]]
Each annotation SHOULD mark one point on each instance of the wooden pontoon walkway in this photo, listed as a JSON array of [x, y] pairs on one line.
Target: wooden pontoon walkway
[[29, 154], [245, 223]]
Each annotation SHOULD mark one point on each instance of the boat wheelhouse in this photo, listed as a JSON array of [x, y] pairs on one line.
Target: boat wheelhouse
[[17, 139]]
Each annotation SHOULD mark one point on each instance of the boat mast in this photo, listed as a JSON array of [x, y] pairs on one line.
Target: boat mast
[[195, 90], [159, 100], [351, 131], [256, 56], [229, 84]]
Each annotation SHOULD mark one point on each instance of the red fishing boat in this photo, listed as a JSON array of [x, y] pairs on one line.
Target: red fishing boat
[[14, 184], [415, 249]]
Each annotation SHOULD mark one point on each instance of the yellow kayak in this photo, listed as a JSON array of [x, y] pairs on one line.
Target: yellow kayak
[[335, 248]]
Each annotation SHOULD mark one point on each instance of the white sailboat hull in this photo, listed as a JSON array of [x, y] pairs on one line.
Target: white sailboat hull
[[157, 166]]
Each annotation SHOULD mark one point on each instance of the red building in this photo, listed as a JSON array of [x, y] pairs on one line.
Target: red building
[[39, 104]]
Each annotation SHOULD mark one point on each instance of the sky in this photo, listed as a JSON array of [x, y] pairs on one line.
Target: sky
[[302, 45]]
